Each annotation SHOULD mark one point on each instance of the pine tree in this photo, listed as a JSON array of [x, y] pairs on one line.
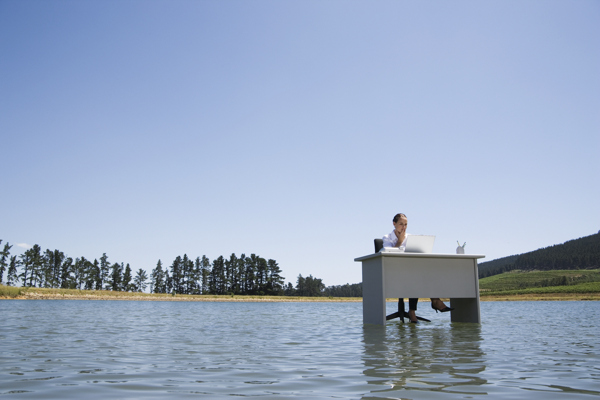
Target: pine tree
[[93, 275], [250, 275], [177, 275], [229, 274], [197, 276], [313, 286], [217, 276], [116, 277], [261, 275], [188, 282], [205, 271], [66, 279], [241, 271], [168, 283], [140, 280], [126, 283], [157, 277], [289, 290], [52, 267], [25, 264], [4, 256], [97, 275], [301, 286], [12, 278], [31, 261], [81, 272], [274, 279], [104, 271]]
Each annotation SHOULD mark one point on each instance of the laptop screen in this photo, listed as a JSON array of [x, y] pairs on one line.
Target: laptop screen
[[419, 243]]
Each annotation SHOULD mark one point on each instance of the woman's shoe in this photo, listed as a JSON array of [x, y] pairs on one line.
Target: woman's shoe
[[406, 315], [445, 309], [413, 321]]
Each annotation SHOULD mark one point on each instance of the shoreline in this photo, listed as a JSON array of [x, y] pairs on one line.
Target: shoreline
[[129, 296], [188, 298]]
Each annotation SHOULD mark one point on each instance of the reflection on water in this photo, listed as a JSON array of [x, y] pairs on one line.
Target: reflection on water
[[404, 359], [131, 350], [522, 350]]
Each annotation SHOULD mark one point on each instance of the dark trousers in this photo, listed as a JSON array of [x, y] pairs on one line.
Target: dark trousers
[[412, 304]]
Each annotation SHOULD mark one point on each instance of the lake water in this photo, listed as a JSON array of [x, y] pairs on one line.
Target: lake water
[[55, 349]]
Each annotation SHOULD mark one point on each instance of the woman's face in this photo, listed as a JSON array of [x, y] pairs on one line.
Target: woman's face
[[401, 225]]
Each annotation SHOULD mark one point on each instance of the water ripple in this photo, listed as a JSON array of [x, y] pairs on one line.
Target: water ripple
[[130, 350]]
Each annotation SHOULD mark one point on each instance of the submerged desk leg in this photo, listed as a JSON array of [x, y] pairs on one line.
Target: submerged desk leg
[[465, 310], [373, 294]]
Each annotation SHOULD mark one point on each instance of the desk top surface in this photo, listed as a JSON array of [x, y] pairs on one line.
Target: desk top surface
[[418, 255]]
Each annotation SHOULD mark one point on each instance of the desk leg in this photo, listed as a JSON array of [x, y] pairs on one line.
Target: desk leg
[[465, 310], [373, 293]]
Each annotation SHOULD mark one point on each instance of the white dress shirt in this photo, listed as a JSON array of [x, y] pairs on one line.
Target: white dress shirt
[[391, 240]]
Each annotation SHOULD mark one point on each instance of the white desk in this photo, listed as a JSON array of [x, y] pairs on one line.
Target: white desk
[[406, 275]]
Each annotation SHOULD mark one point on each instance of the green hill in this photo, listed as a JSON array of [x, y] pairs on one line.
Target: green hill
[[529, 282], [577, 254]]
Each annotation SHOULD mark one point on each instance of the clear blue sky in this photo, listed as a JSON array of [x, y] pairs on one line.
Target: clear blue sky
[[295, 130]]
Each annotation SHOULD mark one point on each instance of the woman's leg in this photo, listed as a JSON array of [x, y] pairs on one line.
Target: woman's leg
[[412, 307], [412, 304]]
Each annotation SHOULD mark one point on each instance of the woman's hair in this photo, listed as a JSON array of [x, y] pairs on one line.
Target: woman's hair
[[398, 216]]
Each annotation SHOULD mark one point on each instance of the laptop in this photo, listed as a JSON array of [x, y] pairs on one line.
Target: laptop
[[419, 243]]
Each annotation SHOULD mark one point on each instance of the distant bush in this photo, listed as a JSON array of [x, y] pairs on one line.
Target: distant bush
[[347, 290], [9, 291]]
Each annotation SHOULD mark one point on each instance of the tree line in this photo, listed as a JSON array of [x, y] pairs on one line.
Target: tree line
[[582, 253], [234, 275], [54, 269], [243, 275]]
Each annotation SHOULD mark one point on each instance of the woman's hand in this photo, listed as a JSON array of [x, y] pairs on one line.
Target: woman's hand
[[400, 230], [401, 236]]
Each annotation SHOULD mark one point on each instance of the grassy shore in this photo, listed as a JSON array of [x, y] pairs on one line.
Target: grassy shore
[[25, 293]]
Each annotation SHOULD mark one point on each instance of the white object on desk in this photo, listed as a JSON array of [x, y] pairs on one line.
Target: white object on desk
[[391, 250]]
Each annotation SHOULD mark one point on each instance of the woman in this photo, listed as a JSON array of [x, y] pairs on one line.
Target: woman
[[398, 239]]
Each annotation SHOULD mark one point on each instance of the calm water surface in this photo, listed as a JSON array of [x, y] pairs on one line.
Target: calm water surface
[[53, 349]]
